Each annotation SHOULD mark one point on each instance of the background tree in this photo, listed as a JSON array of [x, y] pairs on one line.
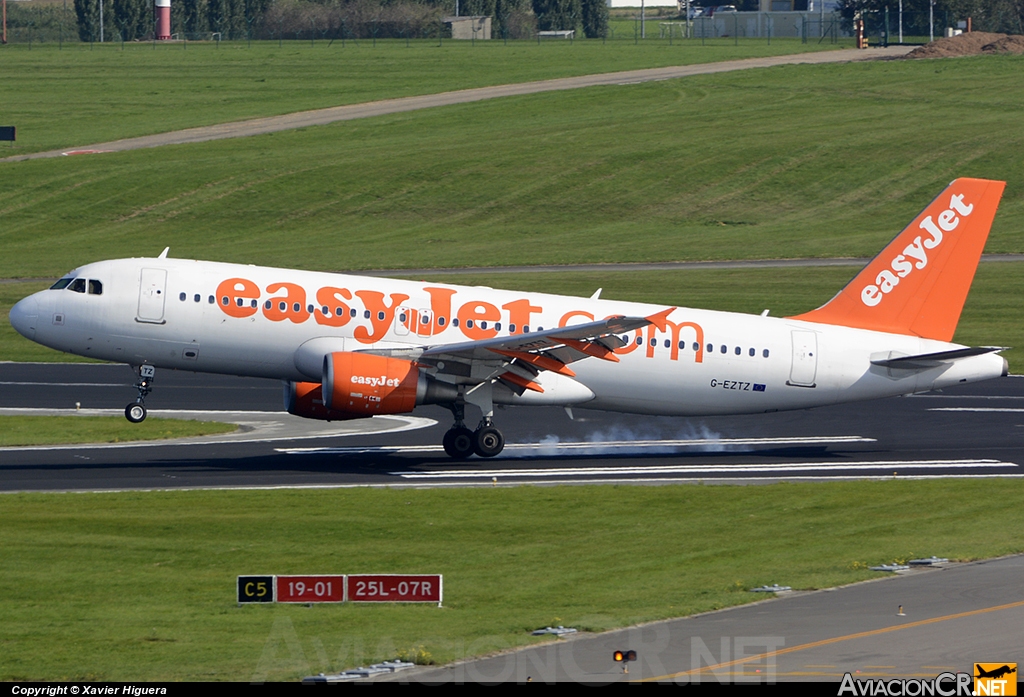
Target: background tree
[[555, 15], [88, 14], [595, 18], [134, 18]]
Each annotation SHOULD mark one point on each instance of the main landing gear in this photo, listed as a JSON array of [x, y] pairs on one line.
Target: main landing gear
[[136, 411], [459, 442]]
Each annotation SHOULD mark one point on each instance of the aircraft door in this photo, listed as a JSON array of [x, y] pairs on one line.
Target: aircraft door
[[805, 358], [152, 290], [404, 318]]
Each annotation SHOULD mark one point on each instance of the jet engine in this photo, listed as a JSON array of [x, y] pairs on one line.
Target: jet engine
[[358, 385]]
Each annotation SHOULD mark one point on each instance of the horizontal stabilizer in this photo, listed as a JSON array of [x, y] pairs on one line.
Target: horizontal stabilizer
[[924, 361]]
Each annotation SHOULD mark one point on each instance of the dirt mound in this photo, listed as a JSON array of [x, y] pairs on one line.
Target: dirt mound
[[1008, 44], [971, 44]]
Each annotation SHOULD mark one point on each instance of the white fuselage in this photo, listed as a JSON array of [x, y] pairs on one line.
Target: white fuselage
[[254, 321]]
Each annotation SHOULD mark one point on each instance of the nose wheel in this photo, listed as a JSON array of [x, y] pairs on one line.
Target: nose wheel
[[136, 411]]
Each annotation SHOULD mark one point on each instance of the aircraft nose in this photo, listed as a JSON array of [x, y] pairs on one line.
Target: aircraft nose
[[25, 317]]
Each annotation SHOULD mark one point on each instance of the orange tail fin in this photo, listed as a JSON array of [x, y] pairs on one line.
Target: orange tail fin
[[919, 283]]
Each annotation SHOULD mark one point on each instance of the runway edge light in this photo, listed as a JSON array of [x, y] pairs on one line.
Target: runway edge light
[[624, 657]]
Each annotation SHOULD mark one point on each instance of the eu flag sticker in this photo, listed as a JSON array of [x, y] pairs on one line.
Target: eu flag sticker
[[758, 388]]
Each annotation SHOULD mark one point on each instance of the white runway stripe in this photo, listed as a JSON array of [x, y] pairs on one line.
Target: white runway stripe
[[885, 466], [587, 447], [1007, 409]]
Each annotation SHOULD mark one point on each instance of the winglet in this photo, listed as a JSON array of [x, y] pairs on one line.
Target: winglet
[[660, 318], [918, 284]]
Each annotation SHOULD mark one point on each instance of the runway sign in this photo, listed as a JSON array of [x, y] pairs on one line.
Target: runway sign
[[394, 588], [255, 589], [310, 589]]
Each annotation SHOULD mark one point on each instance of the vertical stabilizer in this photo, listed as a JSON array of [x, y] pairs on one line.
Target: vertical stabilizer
[[919, 283]]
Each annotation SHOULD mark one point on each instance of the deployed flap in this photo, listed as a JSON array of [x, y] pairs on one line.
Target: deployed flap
[[919, 283], [517, 359]]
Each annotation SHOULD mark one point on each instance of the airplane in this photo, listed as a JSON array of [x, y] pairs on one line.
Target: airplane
[[350, 347]]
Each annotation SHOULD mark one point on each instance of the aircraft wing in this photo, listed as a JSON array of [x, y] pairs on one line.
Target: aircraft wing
[[518, 359]]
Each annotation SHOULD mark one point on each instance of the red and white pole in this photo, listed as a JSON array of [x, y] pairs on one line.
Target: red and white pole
[[163, 20]]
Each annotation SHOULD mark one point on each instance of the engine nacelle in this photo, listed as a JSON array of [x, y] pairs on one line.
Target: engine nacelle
[[359, 385], [306, 399]]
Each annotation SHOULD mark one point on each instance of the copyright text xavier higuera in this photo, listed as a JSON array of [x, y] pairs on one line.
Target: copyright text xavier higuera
[[118, 690]]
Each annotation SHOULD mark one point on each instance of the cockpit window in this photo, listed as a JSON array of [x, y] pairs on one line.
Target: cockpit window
[[77, 285], [95, 287], [61, 284]]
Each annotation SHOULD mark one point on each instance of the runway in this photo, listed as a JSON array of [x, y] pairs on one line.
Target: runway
[[970, 431]]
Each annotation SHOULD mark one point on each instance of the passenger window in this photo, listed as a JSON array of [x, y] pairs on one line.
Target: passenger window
[[469, 324], [366, 314], [61, 284], [725, 349], [77, 285], [765, 353], [296, 307], [381, 315], [210, 300], [455, 321], [711, 349], [483, 324], [309, 309], [511, 329], [752, 352], [738, 350], [267, 305], [667, 343], [497, 326], [440, 321], [181, 297], [196, 297], [696, 346], [639, 340]]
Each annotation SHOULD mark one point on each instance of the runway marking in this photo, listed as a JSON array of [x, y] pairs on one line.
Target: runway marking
[[998, 409], [835, 640], [68, 384], [886, 465], [587, 447]]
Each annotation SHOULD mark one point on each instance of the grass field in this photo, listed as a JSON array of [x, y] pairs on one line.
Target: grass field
[[801, 161], [137, 586], [82, 95], [54, 430]]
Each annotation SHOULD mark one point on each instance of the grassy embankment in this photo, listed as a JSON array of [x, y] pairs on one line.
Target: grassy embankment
[[82, 95], [137, 586], [806, 161], [49, 430]]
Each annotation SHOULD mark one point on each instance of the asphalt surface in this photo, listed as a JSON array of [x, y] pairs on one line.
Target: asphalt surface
[[954, 615], [972, 430], [319, 117]]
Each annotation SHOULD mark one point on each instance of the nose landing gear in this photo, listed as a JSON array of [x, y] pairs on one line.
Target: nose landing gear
[[136, 411]]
